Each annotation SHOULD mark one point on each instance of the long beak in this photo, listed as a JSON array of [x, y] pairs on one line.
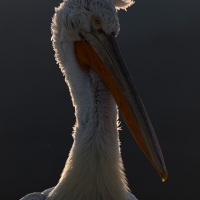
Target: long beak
[[101, 53]]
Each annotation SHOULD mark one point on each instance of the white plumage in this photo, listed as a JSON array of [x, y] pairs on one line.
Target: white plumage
[[94, 168]]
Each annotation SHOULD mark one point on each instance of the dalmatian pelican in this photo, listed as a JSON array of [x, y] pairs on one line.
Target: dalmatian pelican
[[83, 37]]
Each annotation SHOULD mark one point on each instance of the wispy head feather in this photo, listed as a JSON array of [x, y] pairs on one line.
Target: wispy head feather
[[123, 4]]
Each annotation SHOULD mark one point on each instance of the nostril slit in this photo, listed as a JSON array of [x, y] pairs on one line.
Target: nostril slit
[[81, 36], [113, 33]]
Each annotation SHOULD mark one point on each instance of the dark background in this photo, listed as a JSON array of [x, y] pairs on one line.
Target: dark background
[[160, 43]]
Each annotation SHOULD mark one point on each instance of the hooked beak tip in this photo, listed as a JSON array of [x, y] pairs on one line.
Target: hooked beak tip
[[164, 175]]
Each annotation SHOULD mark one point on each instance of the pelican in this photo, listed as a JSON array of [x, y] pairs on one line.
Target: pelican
[[83, 37]]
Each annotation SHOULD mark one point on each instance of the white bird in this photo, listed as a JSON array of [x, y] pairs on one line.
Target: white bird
[[83, 36]]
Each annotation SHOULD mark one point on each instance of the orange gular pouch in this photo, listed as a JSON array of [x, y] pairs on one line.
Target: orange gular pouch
[[128, 101]]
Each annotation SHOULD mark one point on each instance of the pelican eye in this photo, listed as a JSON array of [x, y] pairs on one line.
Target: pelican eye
[[96, 22]]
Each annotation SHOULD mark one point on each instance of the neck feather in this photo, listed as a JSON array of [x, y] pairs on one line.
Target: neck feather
[[94, 169]]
